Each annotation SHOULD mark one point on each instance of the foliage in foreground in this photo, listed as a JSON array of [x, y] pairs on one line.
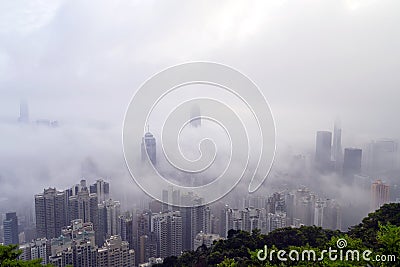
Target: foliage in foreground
[[379, 232]]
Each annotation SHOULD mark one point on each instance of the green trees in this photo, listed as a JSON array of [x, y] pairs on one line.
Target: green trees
[[9, 257], [378, 233]]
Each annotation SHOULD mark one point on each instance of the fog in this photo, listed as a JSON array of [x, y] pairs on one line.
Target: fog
[[80, 63]]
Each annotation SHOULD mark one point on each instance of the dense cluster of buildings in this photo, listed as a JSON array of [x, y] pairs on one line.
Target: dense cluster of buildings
[[365, 168], [83, 226]]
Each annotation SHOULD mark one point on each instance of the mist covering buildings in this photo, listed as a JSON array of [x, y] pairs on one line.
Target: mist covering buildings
[[75, 67]]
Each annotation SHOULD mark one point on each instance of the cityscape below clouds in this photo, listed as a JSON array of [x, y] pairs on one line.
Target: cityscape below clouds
[[68, 71]]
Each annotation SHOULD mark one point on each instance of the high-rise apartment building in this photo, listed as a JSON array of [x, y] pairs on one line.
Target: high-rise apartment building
[[50, 213], [36, 249], [379, 194], [115, 252], [168, 229], [108, 213]]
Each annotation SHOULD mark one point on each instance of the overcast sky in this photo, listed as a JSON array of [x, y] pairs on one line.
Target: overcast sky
[[79, 62]]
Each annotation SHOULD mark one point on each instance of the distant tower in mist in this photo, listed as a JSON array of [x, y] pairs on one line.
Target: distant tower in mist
[[23, 112], [149, 148], [337, 142], [351, 163], [195, 114], [323, 150]]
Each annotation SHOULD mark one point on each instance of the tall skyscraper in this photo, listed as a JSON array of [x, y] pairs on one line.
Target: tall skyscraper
[[351, 163], [10, 227], [337, 153], [50, 211], [379, 194], [23, 112], [323, 150], [149, 148]]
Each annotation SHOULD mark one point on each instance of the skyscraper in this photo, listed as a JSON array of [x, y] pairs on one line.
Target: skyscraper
[[149, 148], [379, 194], [323, 150], [10, 227], [351, 163], [337, 153], [50, 211]]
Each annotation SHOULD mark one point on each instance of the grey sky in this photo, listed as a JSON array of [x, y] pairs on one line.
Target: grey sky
[[80, 62]]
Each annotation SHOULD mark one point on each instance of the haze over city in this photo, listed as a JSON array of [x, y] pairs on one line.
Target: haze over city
[[69, 69]]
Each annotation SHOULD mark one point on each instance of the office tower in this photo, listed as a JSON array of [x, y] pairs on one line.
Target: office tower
[[115, 252], [50, 213], [382, 157], [149, 149], [125, 223], [108, 213], [23, 112], [102, 189], [351, 163], [379, 194], [168, 229], [195, 116], [36, 249], [337, 153], [323, 150], [10, 228]]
